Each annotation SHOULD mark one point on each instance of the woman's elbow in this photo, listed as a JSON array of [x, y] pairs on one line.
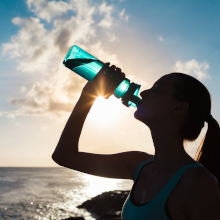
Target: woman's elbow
[[57, 159]]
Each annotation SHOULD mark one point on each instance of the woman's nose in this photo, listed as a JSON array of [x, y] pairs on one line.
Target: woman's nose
[[145, 93], [142, 94]]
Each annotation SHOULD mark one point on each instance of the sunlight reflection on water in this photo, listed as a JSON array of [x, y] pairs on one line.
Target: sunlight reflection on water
[[50, 193], [91, 186], [96, 185]]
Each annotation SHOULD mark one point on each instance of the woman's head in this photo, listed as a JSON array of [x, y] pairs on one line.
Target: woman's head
[[184, 99], [159, 109], [176, 97]]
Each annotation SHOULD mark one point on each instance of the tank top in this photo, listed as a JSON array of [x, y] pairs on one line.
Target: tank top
[[156, 209]]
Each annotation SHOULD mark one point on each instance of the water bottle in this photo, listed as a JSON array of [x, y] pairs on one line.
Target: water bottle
[[87, 66]]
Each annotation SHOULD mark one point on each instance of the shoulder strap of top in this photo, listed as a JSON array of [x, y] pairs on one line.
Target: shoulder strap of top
[[165, 192], [138, 169]]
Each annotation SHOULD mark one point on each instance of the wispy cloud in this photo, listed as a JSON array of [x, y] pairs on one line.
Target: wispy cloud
[[123, 16], [111, 36], [22, 89], [192, 67], [106, 10], [160, 38], [48, 10]]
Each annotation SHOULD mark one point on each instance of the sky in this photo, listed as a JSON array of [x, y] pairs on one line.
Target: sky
[[146, 39]]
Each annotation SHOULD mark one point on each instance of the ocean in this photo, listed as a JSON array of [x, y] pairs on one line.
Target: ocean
[[50, 193]]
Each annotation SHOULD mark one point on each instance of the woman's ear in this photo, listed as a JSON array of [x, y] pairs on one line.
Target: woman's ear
[[181, 108]]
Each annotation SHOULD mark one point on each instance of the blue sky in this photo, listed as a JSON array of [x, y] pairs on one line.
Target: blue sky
[[147, 39]]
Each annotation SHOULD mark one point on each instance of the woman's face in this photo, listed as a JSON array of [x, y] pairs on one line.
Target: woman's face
[[157, 103]]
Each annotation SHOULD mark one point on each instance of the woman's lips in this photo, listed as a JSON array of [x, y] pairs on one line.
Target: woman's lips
[[139, 103]]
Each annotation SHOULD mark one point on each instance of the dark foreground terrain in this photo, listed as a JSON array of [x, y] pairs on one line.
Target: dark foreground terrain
[[107, 206]]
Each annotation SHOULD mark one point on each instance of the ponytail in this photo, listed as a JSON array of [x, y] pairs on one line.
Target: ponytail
[[208, 153], [187, 88]]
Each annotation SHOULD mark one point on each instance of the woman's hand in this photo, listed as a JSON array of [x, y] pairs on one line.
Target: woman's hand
[[100, 85]]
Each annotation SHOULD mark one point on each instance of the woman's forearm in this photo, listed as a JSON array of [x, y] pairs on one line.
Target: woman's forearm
[[67, 146], [69, 139]]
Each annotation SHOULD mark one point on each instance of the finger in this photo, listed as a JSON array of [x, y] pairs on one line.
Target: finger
[[108, 63], [123, 74], [118, 69], [113, 66], [101, 72]]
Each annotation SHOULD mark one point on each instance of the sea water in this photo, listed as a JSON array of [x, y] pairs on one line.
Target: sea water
[[50, 193]]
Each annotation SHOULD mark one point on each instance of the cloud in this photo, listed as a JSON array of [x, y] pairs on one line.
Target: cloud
[[2, 113], [192, 67], [22, 89], [111, 37], [123, 16], [107, 21], [38, 49], [160, 38], [30, 45], [49, 98], [48, 9], [107, 56]]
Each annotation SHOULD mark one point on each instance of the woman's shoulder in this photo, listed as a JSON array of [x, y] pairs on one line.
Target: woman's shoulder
[[201, 190], [198, 174], [195, 177], [196, 180]]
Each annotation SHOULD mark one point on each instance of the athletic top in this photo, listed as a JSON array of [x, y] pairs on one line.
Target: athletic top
[[155, 209]]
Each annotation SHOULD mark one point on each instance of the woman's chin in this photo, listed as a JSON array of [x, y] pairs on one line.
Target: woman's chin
[[137, 114], [140, 115]]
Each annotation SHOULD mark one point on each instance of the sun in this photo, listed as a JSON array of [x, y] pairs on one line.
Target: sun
[[105, 111]]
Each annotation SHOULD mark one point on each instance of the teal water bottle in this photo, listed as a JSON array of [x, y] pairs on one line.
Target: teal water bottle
[[87, 66]]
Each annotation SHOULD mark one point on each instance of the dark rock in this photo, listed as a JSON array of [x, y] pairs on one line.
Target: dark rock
[[74, 218], [109, 217], [107, 205]]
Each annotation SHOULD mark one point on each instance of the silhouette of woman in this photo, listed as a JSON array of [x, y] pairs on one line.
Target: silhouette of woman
[[169, 185]]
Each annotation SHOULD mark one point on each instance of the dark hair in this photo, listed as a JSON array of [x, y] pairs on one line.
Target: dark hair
[[187, 88]]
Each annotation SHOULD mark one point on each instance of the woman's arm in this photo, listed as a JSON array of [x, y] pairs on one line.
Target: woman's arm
[[67, 146], [121, 165]]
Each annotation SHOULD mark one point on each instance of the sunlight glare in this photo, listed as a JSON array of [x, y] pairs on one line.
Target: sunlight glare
[[106, 110], [97, 185]]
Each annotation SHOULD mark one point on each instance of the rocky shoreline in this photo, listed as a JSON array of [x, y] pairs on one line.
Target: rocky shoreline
[[106, 206]]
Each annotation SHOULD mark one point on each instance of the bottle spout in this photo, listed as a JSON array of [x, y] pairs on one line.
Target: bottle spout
[[136, 101], [130, 97]]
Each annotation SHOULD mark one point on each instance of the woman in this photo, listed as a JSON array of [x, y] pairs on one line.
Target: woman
[[169, 185]]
